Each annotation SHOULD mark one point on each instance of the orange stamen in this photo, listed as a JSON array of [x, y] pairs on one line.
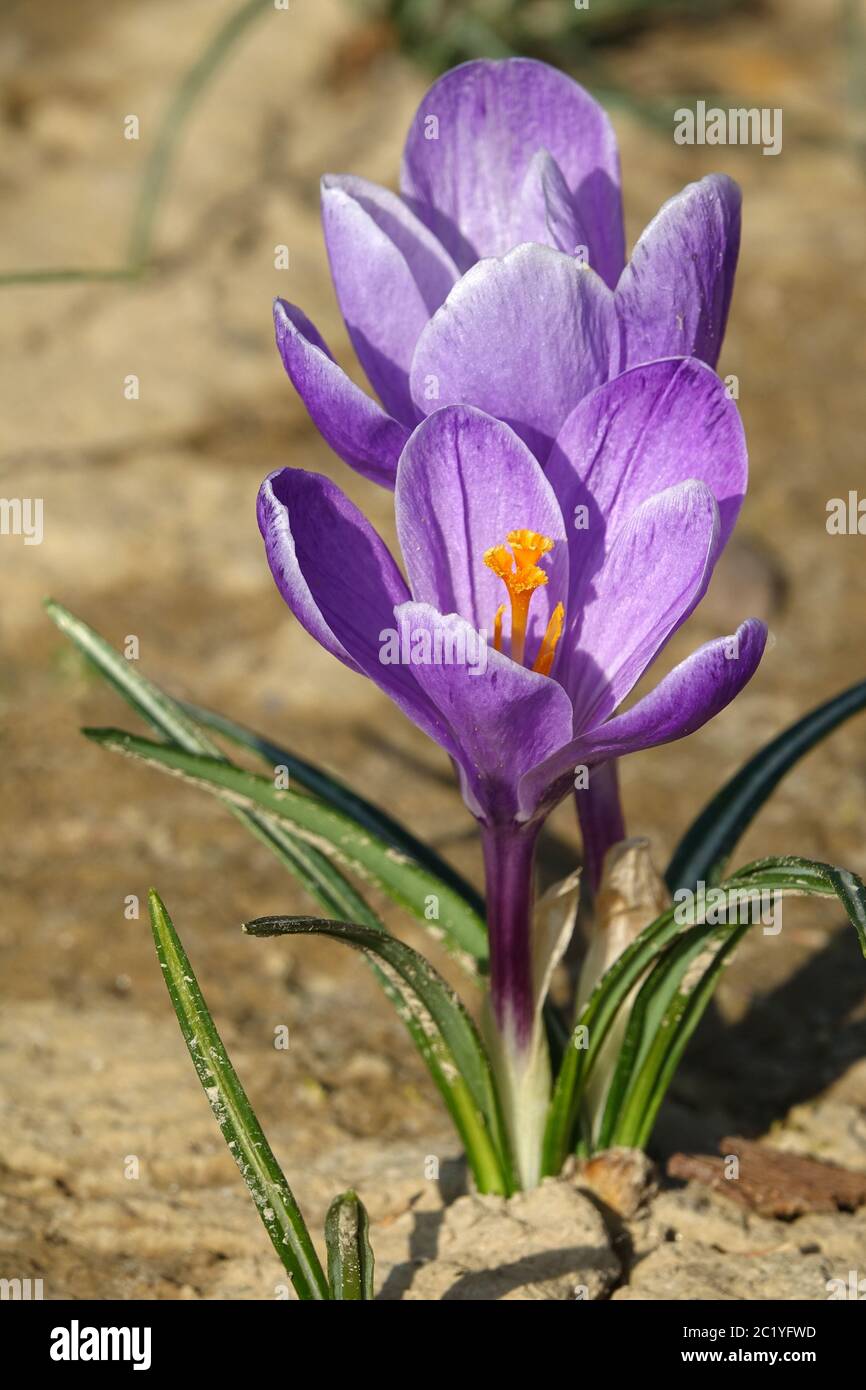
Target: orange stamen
[[521, 574], [547, 650], [497, 628]]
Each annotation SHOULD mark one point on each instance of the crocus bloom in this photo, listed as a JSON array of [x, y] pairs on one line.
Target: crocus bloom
[[506, 238], [576, 576]]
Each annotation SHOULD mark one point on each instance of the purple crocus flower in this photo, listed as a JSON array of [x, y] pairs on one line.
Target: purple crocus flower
[[506, 238], [534, 601]]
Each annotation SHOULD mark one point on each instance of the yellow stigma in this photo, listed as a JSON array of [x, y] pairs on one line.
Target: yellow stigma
[[519, 570]]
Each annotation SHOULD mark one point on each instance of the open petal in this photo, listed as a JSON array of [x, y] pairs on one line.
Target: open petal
[[653, 427], [471, 143], [463, 483], [505, 718], [523, 338], [656, 572], [686, 699], [693, 693], [545, 211], [355, 426], [390, 274], [674, 294], [340, 581]]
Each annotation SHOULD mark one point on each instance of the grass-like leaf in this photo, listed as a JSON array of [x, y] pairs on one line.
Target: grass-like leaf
[[647, 1018], [665, 1014], [302, 857], [790, 876], [592, 1027], [241, 1130], [350, 1254], [795, 876], [706, 846], [411, 885], [331, 790], [640, 1106], [459, 1050], [318, 875]]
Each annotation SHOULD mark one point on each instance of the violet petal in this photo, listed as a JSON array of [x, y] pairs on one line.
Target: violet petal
[[339, 579], [351, 422], [673, 296], [694, 692], [653, 427], [523, 338], [390, 274], [463, 482], [505, 718], [657, 570], [470, 145], [545, 211]]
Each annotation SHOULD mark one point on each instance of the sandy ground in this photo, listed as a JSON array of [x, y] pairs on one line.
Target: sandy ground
[[150, 530]]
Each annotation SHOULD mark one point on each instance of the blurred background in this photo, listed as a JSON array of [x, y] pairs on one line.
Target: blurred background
[[155, 257]]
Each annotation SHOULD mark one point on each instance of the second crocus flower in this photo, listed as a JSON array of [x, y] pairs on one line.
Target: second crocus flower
[[504, 243]]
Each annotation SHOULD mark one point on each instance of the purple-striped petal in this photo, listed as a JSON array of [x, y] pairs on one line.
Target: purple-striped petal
[[545, 212], [695, 691], [505, 718], [464, 481], [340, 581], [353, 424], [673, 296], [523, 338], [471, 143], [390, 274], [647, 430], [656, 572]]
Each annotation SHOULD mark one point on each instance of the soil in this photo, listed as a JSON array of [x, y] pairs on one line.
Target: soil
[[150, 531]]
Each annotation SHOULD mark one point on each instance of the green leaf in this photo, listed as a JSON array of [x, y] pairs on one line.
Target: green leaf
[[329, 831], [591, 1028], [314, 870], [647, 1017], [158, 709], [458, 1048], [638, 1114], [350, 1255], [666, 1017], [241, 1130], [342, 798], [704, 849], [322, 880], [794, 876], [669, 1007]]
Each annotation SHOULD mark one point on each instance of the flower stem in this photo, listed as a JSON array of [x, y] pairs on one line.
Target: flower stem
[[601, 821], [518, 1047], [509, 854]]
